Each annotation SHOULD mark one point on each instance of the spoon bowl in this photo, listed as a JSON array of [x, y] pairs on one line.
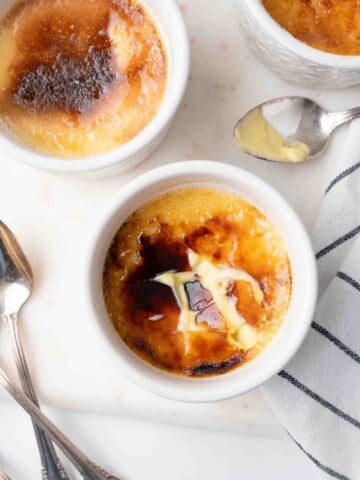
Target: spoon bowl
[[288, 122], [16, 278]]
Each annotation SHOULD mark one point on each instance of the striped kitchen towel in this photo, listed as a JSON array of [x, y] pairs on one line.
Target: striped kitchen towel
[[317, 395]]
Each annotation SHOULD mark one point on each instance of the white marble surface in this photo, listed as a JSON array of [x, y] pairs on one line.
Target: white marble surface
[[52, 217], [144, 451]]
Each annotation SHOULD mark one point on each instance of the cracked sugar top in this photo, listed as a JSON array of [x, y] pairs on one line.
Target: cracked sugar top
[[197, 281], [80, 78]]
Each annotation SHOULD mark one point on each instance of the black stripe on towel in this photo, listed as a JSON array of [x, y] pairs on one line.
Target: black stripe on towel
[[319, 399], [336, 341], [349, 280], [342, 175], [320, 465], [338, 242]]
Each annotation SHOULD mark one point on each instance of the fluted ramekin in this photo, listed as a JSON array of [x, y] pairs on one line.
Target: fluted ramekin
[[292, 59]]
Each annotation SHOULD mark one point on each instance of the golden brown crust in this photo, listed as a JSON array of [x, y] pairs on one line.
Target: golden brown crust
[[329, 25], [76, 72], [156, 238]]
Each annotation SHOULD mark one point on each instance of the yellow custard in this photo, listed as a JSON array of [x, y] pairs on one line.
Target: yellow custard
[[197, 282], [78, 78], [255, 135]]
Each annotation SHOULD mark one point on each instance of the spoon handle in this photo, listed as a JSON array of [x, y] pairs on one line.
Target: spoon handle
[[336, 119], [86, 467], [51, 467]]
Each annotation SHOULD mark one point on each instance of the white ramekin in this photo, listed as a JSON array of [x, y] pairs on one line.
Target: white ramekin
[[303, 265], [169, 20], [290, 58]]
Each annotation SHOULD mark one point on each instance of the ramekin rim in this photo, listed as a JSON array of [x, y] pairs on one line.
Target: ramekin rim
[[222, 391]]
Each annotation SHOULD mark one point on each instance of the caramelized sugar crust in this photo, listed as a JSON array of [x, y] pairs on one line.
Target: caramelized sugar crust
[[80, 77], [329, 25], [156, 238]]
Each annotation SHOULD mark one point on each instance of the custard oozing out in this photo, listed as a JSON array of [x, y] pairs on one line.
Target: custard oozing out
[[223, 231], [329, 25], [78, 78]]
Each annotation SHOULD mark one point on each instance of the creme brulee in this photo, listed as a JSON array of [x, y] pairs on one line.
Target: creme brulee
[[329, 25], [78, 78], [197, 281]]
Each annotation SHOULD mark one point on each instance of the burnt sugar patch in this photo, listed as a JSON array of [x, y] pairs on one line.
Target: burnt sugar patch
[[71, 84], [79, 78]]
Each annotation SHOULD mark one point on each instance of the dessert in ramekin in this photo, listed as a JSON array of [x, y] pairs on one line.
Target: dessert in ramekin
[[215, 272], [89, 87], [293, 59]]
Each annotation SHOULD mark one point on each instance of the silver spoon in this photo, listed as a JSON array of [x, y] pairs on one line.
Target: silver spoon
[[297, 120], [15, 288], [86, 467]]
